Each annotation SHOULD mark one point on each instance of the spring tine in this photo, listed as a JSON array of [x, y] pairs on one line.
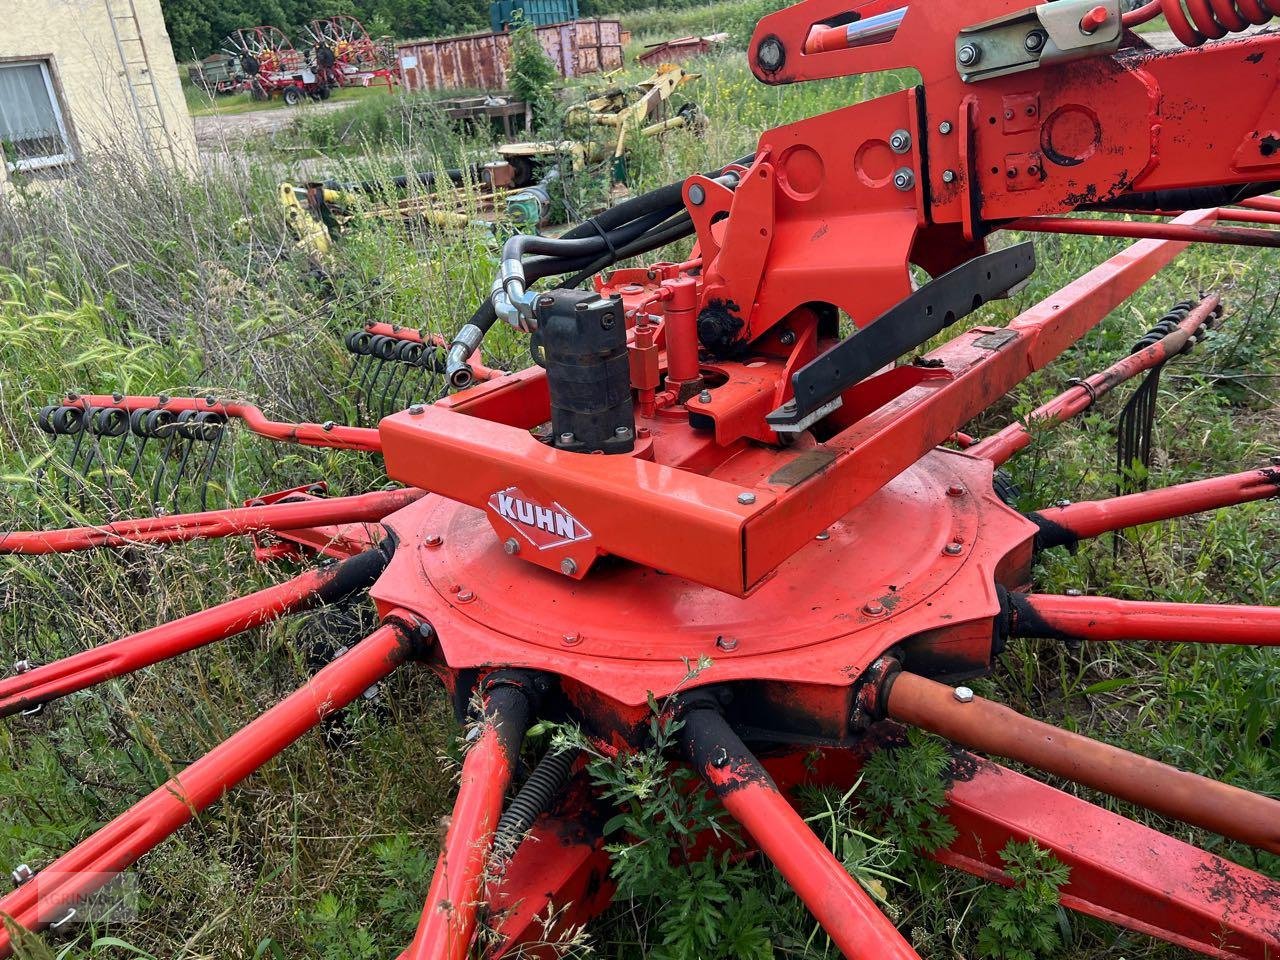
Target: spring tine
[[162, 466], [206, 468], [184, 457], [391, 394], [375, 365], [71, 465], [386, 369], [391, 391]]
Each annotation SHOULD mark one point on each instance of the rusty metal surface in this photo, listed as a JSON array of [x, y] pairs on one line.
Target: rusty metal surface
[[481, 61]]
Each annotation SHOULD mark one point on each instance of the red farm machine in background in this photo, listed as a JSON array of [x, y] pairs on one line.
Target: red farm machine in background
[[349, 56], [701, 466], [271, 66]]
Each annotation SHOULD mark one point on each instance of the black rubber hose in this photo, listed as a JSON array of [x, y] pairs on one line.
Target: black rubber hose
[[1191, 198], [427, 178], [356, 573], [535, 797], [632, 240], [647, 215]]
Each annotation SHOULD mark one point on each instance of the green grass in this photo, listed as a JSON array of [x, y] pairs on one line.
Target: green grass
[[147, 283]]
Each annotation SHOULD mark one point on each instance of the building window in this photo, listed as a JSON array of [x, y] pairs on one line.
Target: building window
[[33, 133]]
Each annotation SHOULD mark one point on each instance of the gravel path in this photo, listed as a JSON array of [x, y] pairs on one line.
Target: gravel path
[[216, 130]]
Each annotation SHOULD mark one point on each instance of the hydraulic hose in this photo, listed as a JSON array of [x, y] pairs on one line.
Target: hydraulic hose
[[632, 228], [1190, 198]]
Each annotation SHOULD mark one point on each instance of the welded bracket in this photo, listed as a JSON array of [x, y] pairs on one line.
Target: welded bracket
[[908, 325], [1038, 36]]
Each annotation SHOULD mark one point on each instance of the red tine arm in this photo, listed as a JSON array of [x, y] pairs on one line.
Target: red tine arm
[[313, 588], [181, 527], [94, 862], [1102, 618], [308, 434], [995, 729], [846, 911], [449, 918], [1137, 230], [1065, 525], [1003, 445]]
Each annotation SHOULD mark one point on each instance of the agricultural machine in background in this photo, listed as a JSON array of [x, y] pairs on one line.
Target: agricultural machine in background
[[604, 124], [350, 57], [517, 187], [271, 66], [340, 54], [702, 467]]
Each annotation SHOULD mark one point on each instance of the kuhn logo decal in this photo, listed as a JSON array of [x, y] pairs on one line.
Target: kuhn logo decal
[[543, 526]]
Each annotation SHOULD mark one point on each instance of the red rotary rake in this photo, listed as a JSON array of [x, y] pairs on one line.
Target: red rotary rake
[[701, 466], [350, 56]]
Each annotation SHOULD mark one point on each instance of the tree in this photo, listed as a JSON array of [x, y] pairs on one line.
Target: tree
[[533, 75]]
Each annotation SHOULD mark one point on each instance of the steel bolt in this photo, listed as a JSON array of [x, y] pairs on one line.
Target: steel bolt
[[704, 396], [426, 632], [905, 179], [209, 401], [1034, 41], [622, 432], [953, 549], [465, 596], [824, 535], [770, 54], [327, 426], [568, 566], [721, 759], [434, 540], [1008, 114], [787, 337], [1073, 592], [726, 643], [746, 499], [511, 546], [955, 490], [117, 396], [21, 874], [948, 176], [606, 321], [416, 409], [964, 694], [697, 194], [572, 639], [163, 398], [22, 666], [900, 141], [969, 54], [945, 128], [566, 438], [874, 608]]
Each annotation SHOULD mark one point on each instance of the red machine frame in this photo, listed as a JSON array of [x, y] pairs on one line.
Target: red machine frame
[[841, 567]]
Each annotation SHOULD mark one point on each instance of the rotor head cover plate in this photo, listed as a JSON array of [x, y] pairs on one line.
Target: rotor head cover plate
[[921, 555]]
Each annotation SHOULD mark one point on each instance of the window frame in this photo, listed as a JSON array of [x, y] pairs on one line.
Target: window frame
[[68, 154]]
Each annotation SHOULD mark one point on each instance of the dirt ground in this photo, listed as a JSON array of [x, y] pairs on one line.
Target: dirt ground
[[215, 131]]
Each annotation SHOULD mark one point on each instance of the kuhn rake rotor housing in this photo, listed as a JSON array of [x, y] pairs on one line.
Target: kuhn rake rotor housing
[[703, 467]]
